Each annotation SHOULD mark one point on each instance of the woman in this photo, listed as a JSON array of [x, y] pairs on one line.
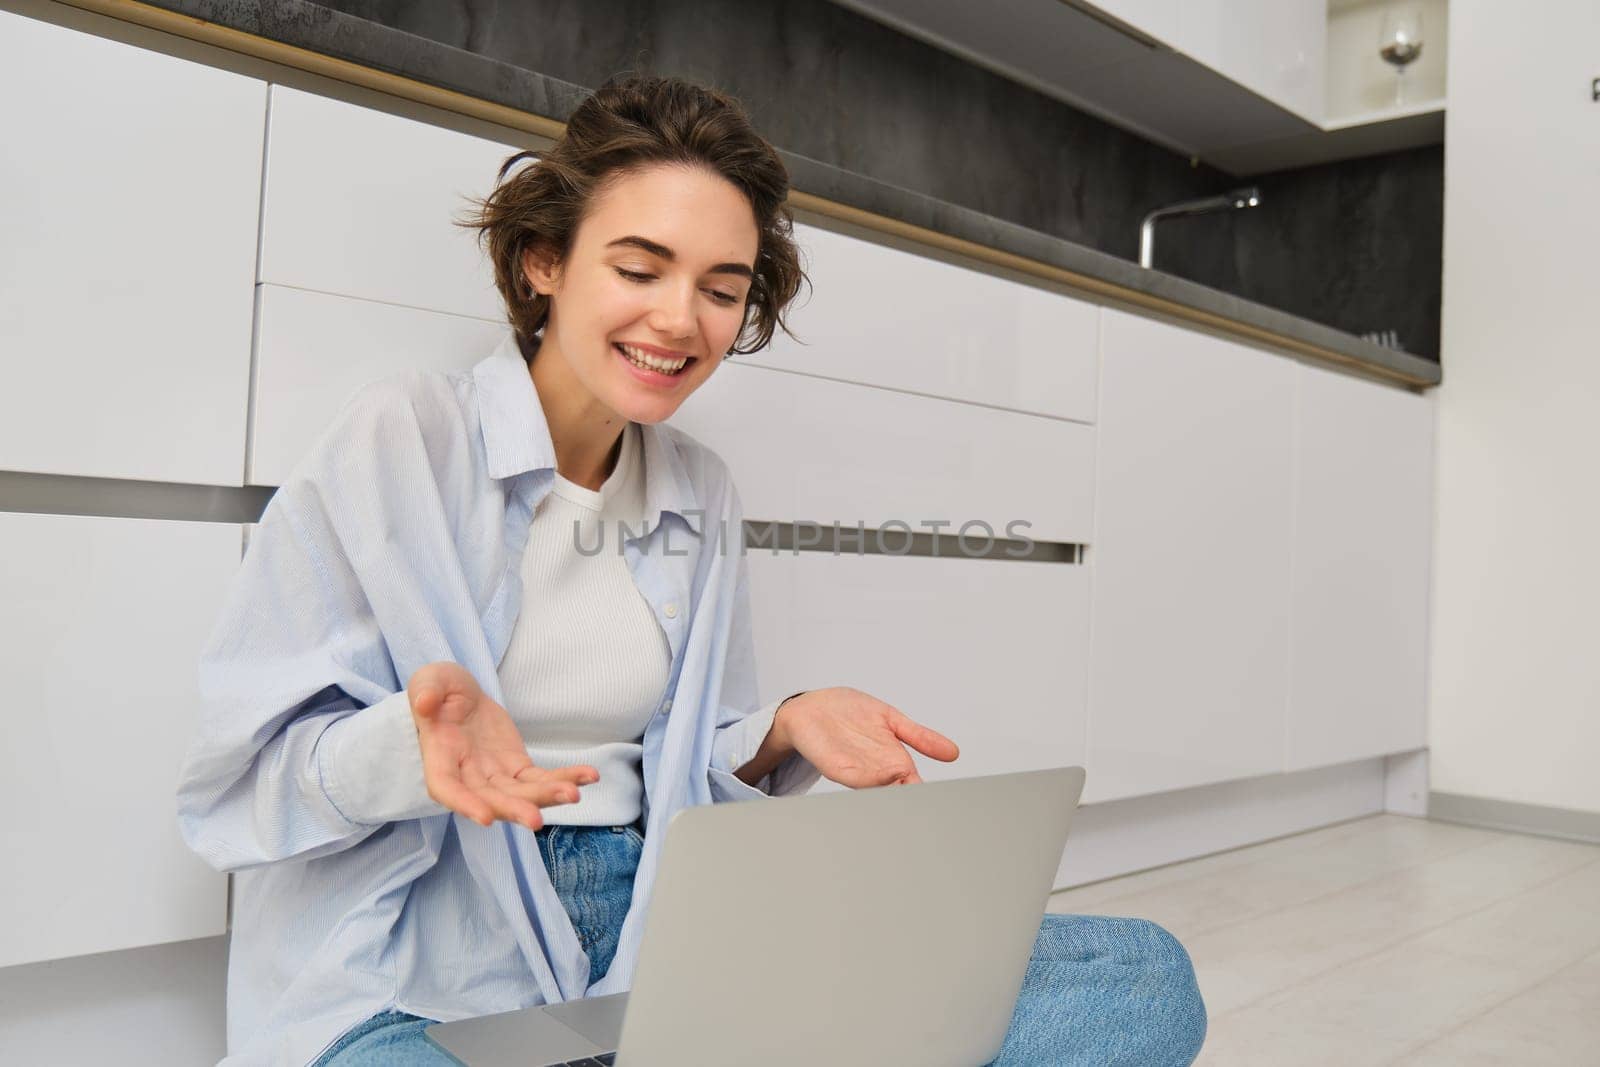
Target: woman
[[484, 836]]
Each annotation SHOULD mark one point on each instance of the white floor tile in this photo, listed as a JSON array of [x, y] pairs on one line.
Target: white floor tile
[[1399, 999], [1265, 879], [1083, 899], [1240, 964], [1556, 1022]]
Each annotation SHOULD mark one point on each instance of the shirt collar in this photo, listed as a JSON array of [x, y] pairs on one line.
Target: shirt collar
[[516, 437]]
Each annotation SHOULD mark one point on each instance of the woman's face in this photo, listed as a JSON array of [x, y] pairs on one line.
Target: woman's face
[[662, 262]]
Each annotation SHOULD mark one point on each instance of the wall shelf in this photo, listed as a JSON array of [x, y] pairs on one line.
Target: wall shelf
[[1360, 85], [1391, 114]]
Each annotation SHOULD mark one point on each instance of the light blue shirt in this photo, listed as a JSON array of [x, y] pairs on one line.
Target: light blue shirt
[[397, 542]]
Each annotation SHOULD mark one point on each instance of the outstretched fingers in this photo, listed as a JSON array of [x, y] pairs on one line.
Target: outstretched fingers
[[544, 788], [500, 794], [454, 794], [924, 739], [509, 806], [532, 788], [484, 796]]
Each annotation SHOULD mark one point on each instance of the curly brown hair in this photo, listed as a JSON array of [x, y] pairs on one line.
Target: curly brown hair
[[630, 123]]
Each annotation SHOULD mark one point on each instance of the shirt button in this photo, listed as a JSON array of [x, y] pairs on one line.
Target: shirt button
[[668, 705], [672, 611]]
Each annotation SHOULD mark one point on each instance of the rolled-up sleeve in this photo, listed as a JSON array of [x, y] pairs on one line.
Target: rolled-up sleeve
[[295, 674], [741, 725], [738, 743], [371, 764]]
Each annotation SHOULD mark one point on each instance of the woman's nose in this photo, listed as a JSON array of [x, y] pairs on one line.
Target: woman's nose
[[673, 315]]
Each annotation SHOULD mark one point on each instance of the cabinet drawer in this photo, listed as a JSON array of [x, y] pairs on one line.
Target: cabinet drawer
[[359, 202], [102, 630], [878, 315], [814, 450], [991, 653], [314, 350]]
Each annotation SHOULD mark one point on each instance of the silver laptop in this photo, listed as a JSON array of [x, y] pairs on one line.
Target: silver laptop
[[874, 926]]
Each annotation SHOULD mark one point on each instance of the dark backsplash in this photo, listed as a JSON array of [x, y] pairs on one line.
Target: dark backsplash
[[1356, 245]]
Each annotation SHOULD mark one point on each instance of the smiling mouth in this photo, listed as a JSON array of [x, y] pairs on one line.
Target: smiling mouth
[[654, 364]]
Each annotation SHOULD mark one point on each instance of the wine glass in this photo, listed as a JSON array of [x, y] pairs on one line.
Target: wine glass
[[1400, 43]]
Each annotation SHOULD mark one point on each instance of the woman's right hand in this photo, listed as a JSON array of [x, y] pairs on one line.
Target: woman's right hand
[[473, 755]]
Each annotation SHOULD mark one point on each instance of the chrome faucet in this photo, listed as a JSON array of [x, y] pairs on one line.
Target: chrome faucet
[[1248, 196]]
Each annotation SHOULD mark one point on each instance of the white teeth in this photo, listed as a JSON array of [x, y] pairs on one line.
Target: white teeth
[[645, 359]]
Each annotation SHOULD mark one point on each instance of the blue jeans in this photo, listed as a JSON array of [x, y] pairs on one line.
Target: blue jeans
[[1098, 990]]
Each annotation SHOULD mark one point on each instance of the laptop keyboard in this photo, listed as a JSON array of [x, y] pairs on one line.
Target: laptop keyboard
[[605, 1059]]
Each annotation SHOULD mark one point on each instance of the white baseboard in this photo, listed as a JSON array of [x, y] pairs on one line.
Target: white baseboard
[[1405, 783], [1494, 814], [1122, 836]]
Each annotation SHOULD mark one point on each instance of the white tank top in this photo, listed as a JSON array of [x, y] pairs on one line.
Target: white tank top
[[588, 663]]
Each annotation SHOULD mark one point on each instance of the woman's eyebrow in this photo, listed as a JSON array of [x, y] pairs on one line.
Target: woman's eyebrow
[[656, 249]]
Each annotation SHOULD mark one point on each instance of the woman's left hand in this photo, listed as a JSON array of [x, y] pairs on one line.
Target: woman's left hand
[[857, 740]]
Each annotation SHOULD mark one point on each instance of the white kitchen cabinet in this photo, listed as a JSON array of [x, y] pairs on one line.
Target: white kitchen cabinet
[[314, 350], [102, 630], [806, 449], [879, 315], [991, 653], [1363, 534], [1188, 670], [359, 202], [1274, 48], [129, 202]]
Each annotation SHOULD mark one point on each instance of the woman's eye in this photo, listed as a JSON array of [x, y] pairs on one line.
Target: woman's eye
[[634, 276]]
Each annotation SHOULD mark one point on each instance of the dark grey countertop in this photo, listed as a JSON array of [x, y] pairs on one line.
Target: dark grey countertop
[[369, 44]]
